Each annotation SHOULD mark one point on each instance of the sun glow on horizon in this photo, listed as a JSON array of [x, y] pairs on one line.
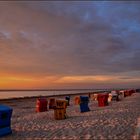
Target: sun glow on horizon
[[23, 81]]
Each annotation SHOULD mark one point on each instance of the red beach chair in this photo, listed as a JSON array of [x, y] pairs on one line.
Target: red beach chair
[[102, 100], [41, 105]]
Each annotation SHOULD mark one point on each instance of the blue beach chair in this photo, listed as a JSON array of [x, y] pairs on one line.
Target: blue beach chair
[[5, 120], [84, 100]]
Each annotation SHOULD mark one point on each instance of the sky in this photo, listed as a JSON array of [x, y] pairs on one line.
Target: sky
[[69, 44]]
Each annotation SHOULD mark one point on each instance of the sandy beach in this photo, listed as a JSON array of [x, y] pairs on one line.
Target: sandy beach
[[116, 121]]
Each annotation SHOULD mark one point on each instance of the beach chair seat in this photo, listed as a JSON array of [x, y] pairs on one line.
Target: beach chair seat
[[60, 110], [52, 103], [115, 97], [84, 100], [41, 105], [102, 99], [68, 100], [77, 100]]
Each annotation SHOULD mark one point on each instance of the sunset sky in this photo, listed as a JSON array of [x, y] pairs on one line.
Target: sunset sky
[[69, 44]]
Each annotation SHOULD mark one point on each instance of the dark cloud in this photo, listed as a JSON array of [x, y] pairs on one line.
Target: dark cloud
[[127, 78]]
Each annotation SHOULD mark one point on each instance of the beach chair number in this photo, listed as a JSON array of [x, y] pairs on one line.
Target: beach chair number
[[3, 116]]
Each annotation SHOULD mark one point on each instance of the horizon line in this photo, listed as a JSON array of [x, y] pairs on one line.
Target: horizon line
[[62, 89]]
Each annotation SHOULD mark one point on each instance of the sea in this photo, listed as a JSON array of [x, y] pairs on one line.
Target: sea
[[18, 94]]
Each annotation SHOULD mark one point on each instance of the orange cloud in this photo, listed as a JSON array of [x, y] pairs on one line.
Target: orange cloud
[[8, 81], [94, 79], [16, 81], [81, 79]]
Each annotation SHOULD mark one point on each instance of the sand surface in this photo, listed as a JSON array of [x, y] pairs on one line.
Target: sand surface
[[116, 121]]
